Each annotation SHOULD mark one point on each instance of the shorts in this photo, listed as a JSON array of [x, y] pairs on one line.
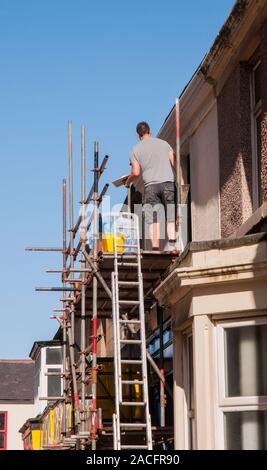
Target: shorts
[[160, 202]]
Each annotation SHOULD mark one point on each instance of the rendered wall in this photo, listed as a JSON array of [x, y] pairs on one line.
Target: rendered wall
[[235, 151], [204, 160], [16, 417]]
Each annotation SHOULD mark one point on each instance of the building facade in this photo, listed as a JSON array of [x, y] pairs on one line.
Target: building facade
[[43, 428], [47, 373], [16, 400], [216, 291]]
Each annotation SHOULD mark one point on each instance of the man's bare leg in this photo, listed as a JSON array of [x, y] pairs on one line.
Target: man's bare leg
[[154, 235], [171, 231], [172, 237]]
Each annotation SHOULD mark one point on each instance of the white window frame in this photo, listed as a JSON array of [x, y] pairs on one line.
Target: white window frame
[[53, 366], [228, 404]]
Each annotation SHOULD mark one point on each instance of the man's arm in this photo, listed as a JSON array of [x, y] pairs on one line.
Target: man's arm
[[172, 158], [134, 174]]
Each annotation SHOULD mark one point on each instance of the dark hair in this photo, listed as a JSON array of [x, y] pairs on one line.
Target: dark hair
[[142, 128]]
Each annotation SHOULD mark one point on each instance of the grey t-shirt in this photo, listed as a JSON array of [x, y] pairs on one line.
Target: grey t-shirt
[[153, 157]]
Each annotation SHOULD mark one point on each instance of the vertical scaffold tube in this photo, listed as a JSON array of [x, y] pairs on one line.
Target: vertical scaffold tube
[[178, 173], [161, 365], [94, 318], [64, 325], [71, 332], [83, 242]]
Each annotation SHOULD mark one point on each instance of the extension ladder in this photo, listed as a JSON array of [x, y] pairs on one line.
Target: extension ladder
[[134, 322]]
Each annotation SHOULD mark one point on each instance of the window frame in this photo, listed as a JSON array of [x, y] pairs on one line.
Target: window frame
[[58, 370], [53, 367], [239, 403], [4, 431]]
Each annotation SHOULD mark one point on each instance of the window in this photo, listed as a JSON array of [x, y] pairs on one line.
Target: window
[[154, 343], [242, 348], [53, 356], [160, 346], [256, 111], [245, 430], [53, 371], [3, 430], [54, 383]]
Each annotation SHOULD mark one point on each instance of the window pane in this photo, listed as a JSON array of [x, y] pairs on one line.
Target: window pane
[[167, 335], [53, 356], [246, 349], [2, 440], [168, 352], [257, 84], [2, 421], [54, 384], [246, 430], [154, 346]]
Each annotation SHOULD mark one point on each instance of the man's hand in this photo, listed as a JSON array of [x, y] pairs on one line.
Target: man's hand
[[134, 174], [126, 183]]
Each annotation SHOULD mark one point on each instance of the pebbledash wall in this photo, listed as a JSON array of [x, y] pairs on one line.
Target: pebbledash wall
[[263, 54], [235, 119], [216, 291], [234, 124]]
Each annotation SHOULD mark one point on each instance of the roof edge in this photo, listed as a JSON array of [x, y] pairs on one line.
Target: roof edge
[[39, 344], [221, 42]]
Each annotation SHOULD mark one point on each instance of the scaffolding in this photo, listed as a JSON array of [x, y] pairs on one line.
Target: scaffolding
[[88, 280]]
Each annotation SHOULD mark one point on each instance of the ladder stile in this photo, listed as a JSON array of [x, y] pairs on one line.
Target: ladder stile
[[115, 437], [143, 339], [116, 416], [117, 309]]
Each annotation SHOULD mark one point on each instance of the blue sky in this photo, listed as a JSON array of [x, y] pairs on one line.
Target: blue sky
[[105, 64]]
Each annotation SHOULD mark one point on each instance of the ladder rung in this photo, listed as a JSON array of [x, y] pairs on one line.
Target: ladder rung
[[132, 403], [133, 425], [133, 322], [128, 283], [134, 447], [131, 341], [129, 302], [131, 361], [127, 246], [132, 382], [127, 229], [127, 264]]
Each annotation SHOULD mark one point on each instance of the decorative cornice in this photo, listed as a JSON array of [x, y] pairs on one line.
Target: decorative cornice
[[182, 280]]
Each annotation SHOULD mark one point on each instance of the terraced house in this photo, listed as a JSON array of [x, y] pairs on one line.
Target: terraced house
[[216, 291]]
